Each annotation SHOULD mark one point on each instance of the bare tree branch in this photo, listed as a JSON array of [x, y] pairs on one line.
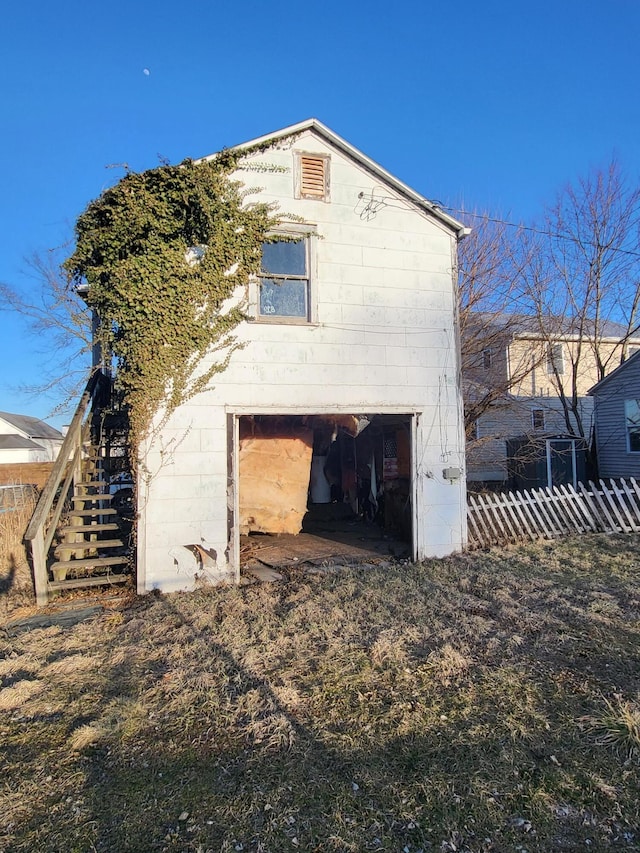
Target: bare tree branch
[[491, 263], [59, 324], [590, 294]]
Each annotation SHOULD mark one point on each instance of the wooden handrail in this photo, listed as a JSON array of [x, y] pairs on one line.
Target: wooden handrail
[[71, 451], [47, 497]]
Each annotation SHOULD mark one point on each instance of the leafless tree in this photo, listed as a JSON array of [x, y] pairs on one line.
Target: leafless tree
[[490, 274], [59, 325], [582, 283]]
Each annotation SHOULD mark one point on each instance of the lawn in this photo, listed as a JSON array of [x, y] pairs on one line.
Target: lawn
[[488, 702]]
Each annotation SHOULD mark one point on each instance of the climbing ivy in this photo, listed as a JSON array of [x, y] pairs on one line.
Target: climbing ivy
[[159, 253]]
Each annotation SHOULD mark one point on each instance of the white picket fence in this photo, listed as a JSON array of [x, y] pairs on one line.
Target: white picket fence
[[551, 512]]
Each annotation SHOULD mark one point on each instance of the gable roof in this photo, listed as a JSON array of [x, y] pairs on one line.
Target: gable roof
[[632, 363], [31, 427], [18, 442], [322, 131]]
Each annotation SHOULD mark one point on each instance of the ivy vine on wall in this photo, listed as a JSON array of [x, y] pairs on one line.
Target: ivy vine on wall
[[160, 252]]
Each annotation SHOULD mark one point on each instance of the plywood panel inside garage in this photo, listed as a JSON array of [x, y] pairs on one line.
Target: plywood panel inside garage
[[274, 480]]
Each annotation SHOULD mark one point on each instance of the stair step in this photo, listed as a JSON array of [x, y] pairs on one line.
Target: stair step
[[86, 498], [90, 563], [74, 583], [99, 544], [89, 528], [93, 513]]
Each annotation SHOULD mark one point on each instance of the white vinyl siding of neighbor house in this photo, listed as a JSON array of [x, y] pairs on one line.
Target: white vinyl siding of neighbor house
[[18, 450], [383, 340], [615, 459], [19, 446]]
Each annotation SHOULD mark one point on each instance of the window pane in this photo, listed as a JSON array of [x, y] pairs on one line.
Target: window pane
[[632, 412], [283, 298], [634, 439], [555, 359], [285, 258]]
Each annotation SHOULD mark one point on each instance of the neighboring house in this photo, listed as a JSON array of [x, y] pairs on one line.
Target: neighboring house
[[617, 420], [27, 439], [526, 437], [349, 374]]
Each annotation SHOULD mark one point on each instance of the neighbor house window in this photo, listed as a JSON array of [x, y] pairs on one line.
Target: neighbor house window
[[284, 279], [537, 419], [632, 417], [312, 176], [555, 359], [487, 359]]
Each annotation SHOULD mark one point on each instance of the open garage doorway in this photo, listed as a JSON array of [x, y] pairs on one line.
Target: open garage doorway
[[323, 489]]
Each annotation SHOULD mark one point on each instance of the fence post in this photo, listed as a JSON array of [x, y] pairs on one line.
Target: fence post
[[39, 560]]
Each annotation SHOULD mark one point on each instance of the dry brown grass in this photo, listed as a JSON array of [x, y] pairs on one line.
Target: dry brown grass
[[16, 585], [618, 725], [19, 694], [482, 703]]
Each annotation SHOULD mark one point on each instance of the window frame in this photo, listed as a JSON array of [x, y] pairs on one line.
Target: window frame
[[555, 359], [628, 427], [293, 231], [541, 426]]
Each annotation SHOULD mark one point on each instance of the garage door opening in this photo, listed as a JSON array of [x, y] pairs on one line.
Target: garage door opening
[[324, 489]]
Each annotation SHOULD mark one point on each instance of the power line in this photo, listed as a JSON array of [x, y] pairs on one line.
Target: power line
[[523, 227], [376, 203]]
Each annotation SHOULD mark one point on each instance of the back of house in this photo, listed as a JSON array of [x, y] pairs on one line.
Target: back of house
[[345, 390]]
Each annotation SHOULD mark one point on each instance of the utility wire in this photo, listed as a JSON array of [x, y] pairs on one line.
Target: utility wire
[[375, 203], [523, 227]]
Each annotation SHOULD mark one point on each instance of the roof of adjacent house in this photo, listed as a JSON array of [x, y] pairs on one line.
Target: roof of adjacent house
[[366, 162], [530, 326], [18, 442], [31, 427], [632, 363]]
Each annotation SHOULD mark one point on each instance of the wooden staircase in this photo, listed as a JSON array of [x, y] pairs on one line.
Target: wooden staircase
[[78, 534]]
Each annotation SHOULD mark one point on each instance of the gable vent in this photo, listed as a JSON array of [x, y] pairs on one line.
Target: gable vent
[[313, 177]]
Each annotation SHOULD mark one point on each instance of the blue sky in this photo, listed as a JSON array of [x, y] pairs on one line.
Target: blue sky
[[491, 105]]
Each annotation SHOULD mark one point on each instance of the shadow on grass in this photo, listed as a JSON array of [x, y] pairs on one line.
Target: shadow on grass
[[203, 787], [229, 735], [6, 582]]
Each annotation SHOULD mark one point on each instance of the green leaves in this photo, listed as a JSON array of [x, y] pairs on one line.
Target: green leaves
[[158, 307]]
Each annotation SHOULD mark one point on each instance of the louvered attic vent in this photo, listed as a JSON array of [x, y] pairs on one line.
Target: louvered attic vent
[[314, 177]]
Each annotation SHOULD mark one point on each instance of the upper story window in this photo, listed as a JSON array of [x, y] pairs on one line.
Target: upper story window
[[284, 286], [537, 419], [555, 359], [632, 418], [487, 358], [312, 176]]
